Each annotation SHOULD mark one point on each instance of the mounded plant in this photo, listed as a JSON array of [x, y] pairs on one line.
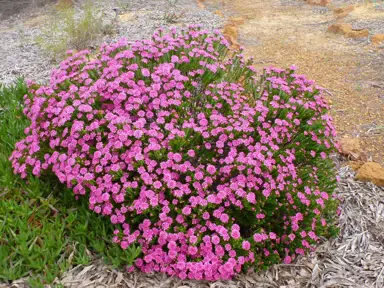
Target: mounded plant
[[208, 165]]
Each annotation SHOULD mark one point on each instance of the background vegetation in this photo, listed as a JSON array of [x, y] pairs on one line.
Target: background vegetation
[[71, 28]]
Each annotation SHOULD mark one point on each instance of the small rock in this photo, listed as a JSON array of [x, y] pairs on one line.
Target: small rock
[[219, 13], [377, 39], [237, 20], [355, 165], [200, 4], [127, 17], [231, 33], [350, 147], [371, 172], [319, 2], [346, 30], [342, 12]]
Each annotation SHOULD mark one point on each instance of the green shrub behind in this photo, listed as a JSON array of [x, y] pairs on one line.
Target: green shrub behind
[[68, 28]]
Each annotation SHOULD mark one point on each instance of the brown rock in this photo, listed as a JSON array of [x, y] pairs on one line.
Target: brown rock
[[127, 17], [200, 4], [237, 20], [350, 147], [231, 33], [219, 13], [372, 172], [342, 12], [319, 2], [377, 39], [355, 165], [347, 31]]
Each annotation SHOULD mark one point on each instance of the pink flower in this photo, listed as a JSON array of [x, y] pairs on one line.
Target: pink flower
[[138, 134], [215, 239], [211, 169], [258, 237], [145, 72], [246, 245], [199, 176], [177, 157], [206, 216], [235, 234], [287, 260], [157, 184]]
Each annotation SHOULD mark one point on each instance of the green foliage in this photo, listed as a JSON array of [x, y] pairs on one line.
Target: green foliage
[[43, 231], [68, 28], [123, 5], [173, 17]]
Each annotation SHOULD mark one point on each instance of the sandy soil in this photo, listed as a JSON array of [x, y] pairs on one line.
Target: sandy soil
[[285, 32]]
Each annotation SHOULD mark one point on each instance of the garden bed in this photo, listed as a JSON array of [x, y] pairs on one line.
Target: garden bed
[[354, 259]]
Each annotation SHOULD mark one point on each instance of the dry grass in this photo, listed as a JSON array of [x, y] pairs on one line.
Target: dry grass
[[70, 27]]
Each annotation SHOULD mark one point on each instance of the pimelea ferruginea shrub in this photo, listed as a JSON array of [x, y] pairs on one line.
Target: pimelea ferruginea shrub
[[207, 165]]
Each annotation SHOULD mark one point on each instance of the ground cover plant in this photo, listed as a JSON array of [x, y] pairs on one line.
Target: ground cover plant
[[43, 232], [209, 166]]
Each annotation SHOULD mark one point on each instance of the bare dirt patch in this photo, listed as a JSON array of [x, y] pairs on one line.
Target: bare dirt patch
[[286, 32]]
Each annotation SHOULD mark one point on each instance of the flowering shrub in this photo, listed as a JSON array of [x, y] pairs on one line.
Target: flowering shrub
[[207, 165]]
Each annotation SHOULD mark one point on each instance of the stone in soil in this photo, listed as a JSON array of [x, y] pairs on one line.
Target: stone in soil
[[347, 30], [343, 12], [377, 39], [319, 2], [231, 33], [371, 172], [355, 165], [351, 148], [219, 13]]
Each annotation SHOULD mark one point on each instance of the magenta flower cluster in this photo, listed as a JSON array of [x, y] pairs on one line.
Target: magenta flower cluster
[[207, 165]]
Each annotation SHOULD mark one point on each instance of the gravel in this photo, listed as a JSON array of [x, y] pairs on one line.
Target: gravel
[[22, 57], [150, 15], [375, 26]]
